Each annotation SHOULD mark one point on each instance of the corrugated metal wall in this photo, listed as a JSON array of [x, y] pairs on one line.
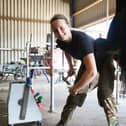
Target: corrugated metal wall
[[21, 18], [88, 11]]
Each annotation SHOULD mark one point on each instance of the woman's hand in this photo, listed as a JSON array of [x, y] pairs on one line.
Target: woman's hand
[[73, 90], [71, 72]]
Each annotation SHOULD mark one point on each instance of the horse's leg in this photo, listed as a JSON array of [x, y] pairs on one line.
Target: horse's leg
[[105, 92]]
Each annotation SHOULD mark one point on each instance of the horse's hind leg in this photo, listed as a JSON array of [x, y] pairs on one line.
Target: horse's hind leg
[[105, 91]]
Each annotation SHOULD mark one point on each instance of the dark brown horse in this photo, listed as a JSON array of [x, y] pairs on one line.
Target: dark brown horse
[[117, 38]]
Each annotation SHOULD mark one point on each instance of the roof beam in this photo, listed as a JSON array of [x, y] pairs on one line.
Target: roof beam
[[87, 7]]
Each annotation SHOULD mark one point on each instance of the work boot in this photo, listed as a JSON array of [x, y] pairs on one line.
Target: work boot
[[111, 112], [60, 123]]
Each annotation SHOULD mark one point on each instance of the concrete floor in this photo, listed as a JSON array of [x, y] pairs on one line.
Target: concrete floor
[[90, 114]]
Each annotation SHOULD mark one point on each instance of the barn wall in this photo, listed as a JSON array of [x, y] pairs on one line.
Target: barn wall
[[22, 20]]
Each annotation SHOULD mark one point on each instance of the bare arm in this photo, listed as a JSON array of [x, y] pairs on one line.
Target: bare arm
[[70, 63], [88, 75]]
